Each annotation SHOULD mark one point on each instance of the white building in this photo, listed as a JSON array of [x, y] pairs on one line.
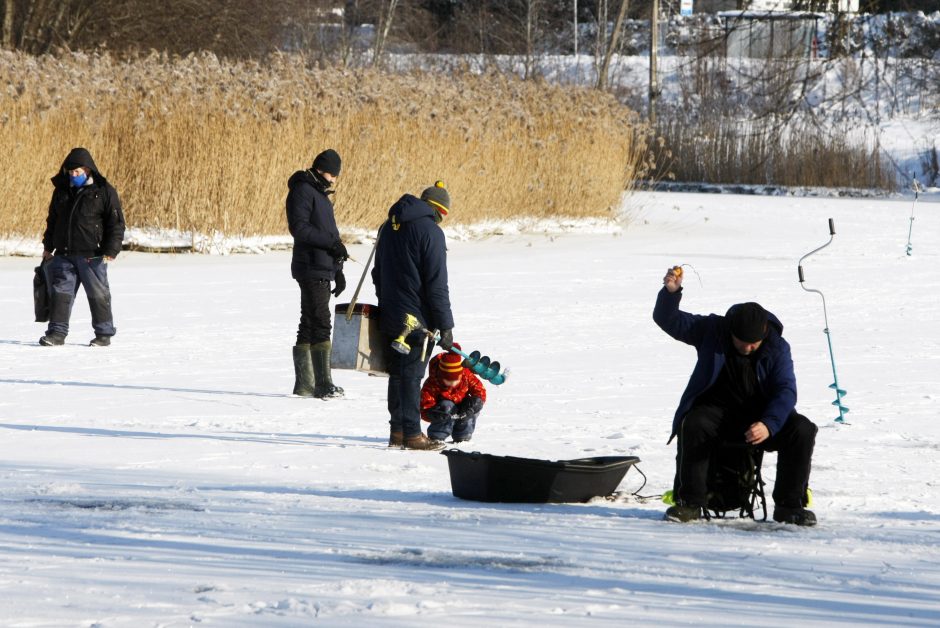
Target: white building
[[839, 6], [687, 7]]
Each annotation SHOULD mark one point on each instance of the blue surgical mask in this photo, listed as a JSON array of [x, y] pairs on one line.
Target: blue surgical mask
[[78, 181]]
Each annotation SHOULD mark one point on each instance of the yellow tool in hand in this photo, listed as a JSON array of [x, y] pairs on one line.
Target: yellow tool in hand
[[411, 324]]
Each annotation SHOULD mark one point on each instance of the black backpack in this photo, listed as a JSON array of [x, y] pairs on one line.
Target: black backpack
[[41, 293], [735, 482]]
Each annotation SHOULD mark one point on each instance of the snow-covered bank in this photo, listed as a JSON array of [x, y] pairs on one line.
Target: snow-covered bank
[[171, 480], [168, 241]]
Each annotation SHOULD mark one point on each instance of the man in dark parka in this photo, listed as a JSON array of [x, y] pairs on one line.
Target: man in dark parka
[[84, 231], [742, 389], [317, 260], [410, 277]]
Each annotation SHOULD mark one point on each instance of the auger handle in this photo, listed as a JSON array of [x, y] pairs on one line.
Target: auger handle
[[832, 233], [459, 352], [355, 297]]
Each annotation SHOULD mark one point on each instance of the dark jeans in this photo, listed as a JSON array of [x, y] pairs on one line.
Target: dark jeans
[[444, 424], [405, 372], [65, 273], [315, 318], [706, 426]]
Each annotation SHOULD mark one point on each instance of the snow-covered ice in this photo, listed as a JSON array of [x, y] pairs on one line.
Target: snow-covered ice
[[171, 480]]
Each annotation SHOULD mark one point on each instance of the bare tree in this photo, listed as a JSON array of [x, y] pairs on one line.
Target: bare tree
[[600, 43], [386, 17], [41, 25], [6, 34], [612, 46]]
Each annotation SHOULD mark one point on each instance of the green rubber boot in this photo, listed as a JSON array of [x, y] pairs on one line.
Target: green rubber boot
[[324, 388], [304, 382]]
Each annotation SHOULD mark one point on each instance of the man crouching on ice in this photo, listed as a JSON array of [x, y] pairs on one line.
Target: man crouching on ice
[[742, 389], [451, 398]]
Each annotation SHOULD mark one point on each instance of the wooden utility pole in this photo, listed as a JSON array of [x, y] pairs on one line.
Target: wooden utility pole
[[654, 44]]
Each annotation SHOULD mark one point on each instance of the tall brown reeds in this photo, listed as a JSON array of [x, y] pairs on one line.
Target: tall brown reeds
[[202, 145]]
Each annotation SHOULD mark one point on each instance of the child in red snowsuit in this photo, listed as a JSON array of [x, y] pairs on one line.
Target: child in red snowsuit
[[451, 398]]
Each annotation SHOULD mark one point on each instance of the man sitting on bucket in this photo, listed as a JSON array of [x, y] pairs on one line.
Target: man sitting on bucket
[[451, 398], [742, 389]]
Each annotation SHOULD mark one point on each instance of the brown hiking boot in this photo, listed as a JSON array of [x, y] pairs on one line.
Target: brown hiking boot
[[423, 442], [396, 439]]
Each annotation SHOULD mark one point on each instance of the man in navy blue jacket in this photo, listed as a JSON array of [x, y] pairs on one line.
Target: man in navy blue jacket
[[742, 389], [410, 277], [317, 260]]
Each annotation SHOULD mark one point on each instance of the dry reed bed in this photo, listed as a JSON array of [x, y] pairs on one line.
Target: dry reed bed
[[203, 145]]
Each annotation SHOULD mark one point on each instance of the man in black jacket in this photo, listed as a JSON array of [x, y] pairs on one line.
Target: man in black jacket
[[410, 277], [84, 231], [317, 260]]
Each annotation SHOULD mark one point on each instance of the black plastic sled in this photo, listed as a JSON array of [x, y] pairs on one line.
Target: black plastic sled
[[488, 478]]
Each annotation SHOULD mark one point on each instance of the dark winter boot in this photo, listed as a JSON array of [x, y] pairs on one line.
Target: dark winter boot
[[683, 514], [324, 387], [396, 440], [52, 340], [303, 371], [424, 443], [796, 516]]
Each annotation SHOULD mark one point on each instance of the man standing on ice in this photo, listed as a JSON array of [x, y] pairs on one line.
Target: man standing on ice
[[742, 389], [410, 277], [84, 231], [317, 260]]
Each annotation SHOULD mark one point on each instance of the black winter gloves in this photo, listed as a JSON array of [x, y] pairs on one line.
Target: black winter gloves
[[470, 406], [474, 405], [340, 280], [442, 411], [447, 339], [338, 251]]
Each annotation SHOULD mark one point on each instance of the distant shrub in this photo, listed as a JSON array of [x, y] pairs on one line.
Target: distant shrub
[[726, 150]]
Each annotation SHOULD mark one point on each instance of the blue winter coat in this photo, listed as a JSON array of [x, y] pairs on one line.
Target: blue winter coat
[[312, 223], [709, 335], [410, 273]]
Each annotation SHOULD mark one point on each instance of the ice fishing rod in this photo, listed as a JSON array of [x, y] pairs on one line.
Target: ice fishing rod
[[835, 383], [910, 247]]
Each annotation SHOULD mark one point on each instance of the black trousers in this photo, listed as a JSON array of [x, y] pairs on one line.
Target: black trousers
[[706, 426], [315, 322]]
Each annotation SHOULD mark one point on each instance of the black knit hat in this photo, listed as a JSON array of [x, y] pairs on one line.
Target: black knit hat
[[438, 197], [748, 322], [328, 161]]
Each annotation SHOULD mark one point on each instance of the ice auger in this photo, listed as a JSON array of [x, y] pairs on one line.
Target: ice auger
[[910, 247], [482, 366], [835, 383], [475, 361]]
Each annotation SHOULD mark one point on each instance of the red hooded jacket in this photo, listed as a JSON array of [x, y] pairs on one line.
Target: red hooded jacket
[[434, 390]]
